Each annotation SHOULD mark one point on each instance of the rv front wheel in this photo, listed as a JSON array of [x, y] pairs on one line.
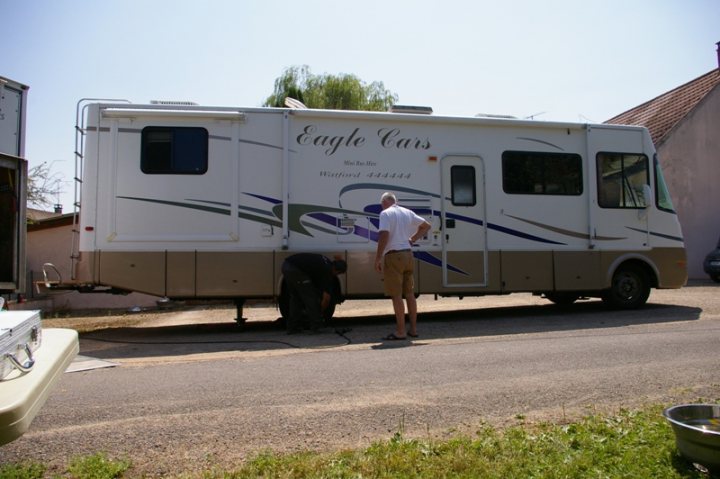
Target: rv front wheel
[[630, 288]]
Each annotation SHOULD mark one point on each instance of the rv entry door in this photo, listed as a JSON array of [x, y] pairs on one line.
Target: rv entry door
[[464, 230]]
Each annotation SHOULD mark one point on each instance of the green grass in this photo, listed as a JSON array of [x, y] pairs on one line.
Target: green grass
[[97, 466], [630, 444]]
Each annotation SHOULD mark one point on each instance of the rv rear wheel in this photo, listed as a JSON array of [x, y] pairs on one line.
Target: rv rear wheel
[[630, 288]]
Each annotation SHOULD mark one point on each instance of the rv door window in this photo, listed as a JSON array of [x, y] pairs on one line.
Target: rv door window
[[174, 151], [664, 201], [462, 179], [621, 178], [541, 173]]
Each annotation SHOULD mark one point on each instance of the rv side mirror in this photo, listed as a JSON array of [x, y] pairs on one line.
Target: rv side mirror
[[647, 195]]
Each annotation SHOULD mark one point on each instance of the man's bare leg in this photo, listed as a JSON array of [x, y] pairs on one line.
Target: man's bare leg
[[412, 313], [399, 308]]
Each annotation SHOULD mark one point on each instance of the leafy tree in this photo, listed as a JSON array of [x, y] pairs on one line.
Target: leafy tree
[[332, 92]]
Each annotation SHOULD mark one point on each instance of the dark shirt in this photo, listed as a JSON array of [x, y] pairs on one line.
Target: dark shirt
[[316, 266]]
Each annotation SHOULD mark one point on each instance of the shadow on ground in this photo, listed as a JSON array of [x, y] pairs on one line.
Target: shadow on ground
[[268, 336]]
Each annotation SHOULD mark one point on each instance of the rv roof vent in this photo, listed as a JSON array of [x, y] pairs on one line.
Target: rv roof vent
[[418, 110], [492, 115], [173, 103]]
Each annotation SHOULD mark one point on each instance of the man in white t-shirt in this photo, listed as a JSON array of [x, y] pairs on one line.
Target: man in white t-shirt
[[399, 229]]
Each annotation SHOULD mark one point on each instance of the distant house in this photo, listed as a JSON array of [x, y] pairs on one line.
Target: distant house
[[49, 240], [685, 126]]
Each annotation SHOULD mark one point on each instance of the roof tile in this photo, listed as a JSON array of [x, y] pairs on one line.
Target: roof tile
[[661, 114]]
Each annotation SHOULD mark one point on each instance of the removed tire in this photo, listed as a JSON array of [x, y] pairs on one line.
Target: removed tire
[[284, 303]]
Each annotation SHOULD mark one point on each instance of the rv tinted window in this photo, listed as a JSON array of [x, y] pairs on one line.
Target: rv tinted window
[[540, 173], [621, 178], [174, 150], [664, 202], [462, 179]]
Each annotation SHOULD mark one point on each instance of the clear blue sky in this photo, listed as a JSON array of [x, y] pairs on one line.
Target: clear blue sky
[[566, 60]]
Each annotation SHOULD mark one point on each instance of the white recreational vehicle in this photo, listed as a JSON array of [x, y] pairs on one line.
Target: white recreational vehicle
[[185, 201]]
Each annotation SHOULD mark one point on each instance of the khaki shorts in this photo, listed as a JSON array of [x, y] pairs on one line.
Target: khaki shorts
[[398, 274]]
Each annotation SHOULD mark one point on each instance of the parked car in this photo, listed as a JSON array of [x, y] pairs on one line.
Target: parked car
[[711, 265]]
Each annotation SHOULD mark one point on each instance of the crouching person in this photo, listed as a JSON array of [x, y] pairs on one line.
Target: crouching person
[[310, 279]]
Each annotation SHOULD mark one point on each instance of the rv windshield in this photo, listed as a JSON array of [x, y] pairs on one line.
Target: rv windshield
[[664, 202]]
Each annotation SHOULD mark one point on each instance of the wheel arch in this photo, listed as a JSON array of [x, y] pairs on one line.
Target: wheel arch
[[633, 260]]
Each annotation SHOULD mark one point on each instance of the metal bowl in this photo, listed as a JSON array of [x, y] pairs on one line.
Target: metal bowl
[[697, 433]]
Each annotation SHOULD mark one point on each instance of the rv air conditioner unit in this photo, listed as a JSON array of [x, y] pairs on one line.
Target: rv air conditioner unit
[[417, 110]]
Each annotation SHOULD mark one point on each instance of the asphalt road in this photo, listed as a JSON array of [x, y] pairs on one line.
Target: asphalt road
[[191, 390]]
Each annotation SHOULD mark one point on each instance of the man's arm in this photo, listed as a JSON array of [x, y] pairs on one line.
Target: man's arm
[[325, 301], [382, 242], [421, 231]]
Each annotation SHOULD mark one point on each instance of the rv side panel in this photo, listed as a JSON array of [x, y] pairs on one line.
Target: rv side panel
[[134, 271], [181, 276], [235, 274], [577, 271], [527, 271], [13, 185], [13, 104]]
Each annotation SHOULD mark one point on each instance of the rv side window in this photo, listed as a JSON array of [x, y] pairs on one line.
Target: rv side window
[[174, 151], [621, 178], [462, 179], [540, 173]]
